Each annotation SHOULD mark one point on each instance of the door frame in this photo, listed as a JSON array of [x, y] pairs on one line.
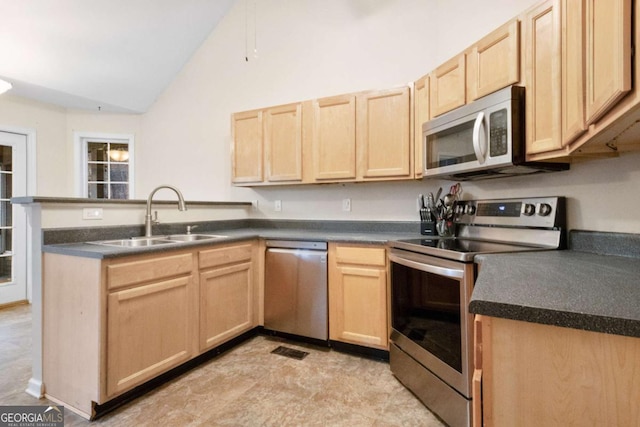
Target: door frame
[[31, 191]]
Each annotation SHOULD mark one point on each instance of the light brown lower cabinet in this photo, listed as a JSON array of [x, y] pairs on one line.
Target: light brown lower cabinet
[[113, 324], [149, 331], [226, 294], [541, 375], [358, 310]]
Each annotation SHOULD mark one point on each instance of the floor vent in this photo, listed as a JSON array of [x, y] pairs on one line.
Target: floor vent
[[289, 352]]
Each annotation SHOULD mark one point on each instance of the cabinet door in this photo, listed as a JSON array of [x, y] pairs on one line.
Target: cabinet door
[[358, 296], [543, 78], [246, 151], [283, 143], [420, 115], [494, 62], [226, 303], [334, 138], [476, 387], [383, 133], [149, 331], [608, 55], [541, 375], [573, 70], [448, 86]]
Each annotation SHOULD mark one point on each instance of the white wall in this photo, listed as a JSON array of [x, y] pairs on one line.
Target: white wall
[[49, 123], [306, 49], [309, 49]]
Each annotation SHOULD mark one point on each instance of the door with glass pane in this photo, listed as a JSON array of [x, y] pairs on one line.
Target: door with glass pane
[[13, 252]]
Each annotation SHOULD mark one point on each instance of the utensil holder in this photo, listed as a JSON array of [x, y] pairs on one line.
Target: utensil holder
[[446, 228], [428, 228]]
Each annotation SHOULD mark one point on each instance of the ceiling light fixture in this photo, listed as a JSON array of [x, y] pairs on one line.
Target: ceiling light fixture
[[119, 155], [4, 86]]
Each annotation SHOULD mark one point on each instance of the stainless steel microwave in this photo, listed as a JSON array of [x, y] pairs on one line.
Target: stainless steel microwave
[[483, 139]]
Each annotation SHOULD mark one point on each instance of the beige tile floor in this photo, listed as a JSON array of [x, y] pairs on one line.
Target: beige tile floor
[[247, 386]]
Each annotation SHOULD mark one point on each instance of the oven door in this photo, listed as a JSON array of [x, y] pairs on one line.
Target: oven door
[[429, 312]]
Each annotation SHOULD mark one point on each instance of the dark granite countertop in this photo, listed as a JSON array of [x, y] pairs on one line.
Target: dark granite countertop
[[337, 231], [571, 288]]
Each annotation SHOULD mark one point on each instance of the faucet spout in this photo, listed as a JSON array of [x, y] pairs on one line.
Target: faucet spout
[[148, 221]]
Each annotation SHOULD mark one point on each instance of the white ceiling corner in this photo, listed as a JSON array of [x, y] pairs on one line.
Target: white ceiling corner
[[116, 55]]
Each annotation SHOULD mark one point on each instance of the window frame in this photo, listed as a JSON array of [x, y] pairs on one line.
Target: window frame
[[81, 159]]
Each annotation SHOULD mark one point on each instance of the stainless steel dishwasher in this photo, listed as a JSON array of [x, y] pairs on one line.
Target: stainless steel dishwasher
[[295, 288]]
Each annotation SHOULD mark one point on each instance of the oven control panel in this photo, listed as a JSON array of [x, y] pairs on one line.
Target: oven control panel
[[545, 212]]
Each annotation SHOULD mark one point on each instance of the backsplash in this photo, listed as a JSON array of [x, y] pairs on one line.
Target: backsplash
[[617, 244]]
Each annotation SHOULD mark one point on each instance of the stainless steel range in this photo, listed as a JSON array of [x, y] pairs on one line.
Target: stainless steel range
[[431, 284]]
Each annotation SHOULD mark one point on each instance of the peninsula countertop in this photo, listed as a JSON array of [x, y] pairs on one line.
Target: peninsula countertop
[[568, 288]]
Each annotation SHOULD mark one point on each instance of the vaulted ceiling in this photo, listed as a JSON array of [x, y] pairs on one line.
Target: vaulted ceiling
[[112, 55]]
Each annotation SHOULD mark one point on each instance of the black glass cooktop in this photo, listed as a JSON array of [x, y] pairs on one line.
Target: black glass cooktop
[[458, 249]]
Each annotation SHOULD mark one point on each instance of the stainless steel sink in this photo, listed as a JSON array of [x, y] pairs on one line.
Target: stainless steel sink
[[139, 242], [136, 243], [193, 237]]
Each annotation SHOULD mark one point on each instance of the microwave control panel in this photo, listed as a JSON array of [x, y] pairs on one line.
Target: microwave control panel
[[498, 133]]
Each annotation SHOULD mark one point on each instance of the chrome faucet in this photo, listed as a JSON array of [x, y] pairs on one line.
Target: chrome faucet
[[148, 220]]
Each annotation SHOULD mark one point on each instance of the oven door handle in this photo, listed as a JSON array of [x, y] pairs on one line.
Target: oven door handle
[[429, 268]]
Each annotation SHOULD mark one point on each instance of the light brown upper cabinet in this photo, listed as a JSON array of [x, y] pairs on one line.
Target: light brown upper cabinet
[[448, 86], [246, 150], [608, 55], [383, 134], [573, 70], [596, 61], [420, 115], [363, 136], [494, 62], [578, 61], [283, 143], [489, 65], [543, 79], [334, 138]]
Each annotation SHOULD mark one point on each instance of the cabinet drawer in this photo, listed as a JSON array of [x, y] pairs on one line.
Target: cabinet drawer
[[131, 273], [360, 255], [224, 255]]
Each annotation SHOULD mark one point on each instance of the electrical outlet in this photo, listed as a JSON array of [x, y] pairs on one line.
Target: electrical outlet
[[346, 205], [92, 213], [277, 206]]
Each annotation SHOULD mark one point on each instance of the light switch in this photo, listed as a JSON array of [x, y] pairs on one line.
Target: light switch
[[92, 213], [277, 206]]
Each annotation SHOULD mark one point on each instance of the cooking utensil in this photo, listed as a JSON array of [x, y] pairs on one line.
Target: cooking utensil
[[438, 194], [431, 204], [449, 200], [456, 189]]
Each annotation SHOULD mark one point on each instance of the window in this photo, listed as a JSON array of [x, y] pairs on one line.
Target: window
[[106, 163]]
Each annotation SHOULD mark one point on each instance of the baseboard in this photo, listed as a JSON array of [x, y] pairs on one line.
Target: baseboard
[[35, 388]]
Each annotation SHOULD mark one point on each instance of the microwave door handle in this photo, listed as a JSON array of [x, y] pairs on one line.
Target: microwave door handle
[[479, 147]]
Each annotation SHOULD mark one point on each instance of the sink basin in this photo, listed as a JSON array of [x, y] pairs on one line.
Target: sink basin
[[140, 242], [136, 243], [193, 237]]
